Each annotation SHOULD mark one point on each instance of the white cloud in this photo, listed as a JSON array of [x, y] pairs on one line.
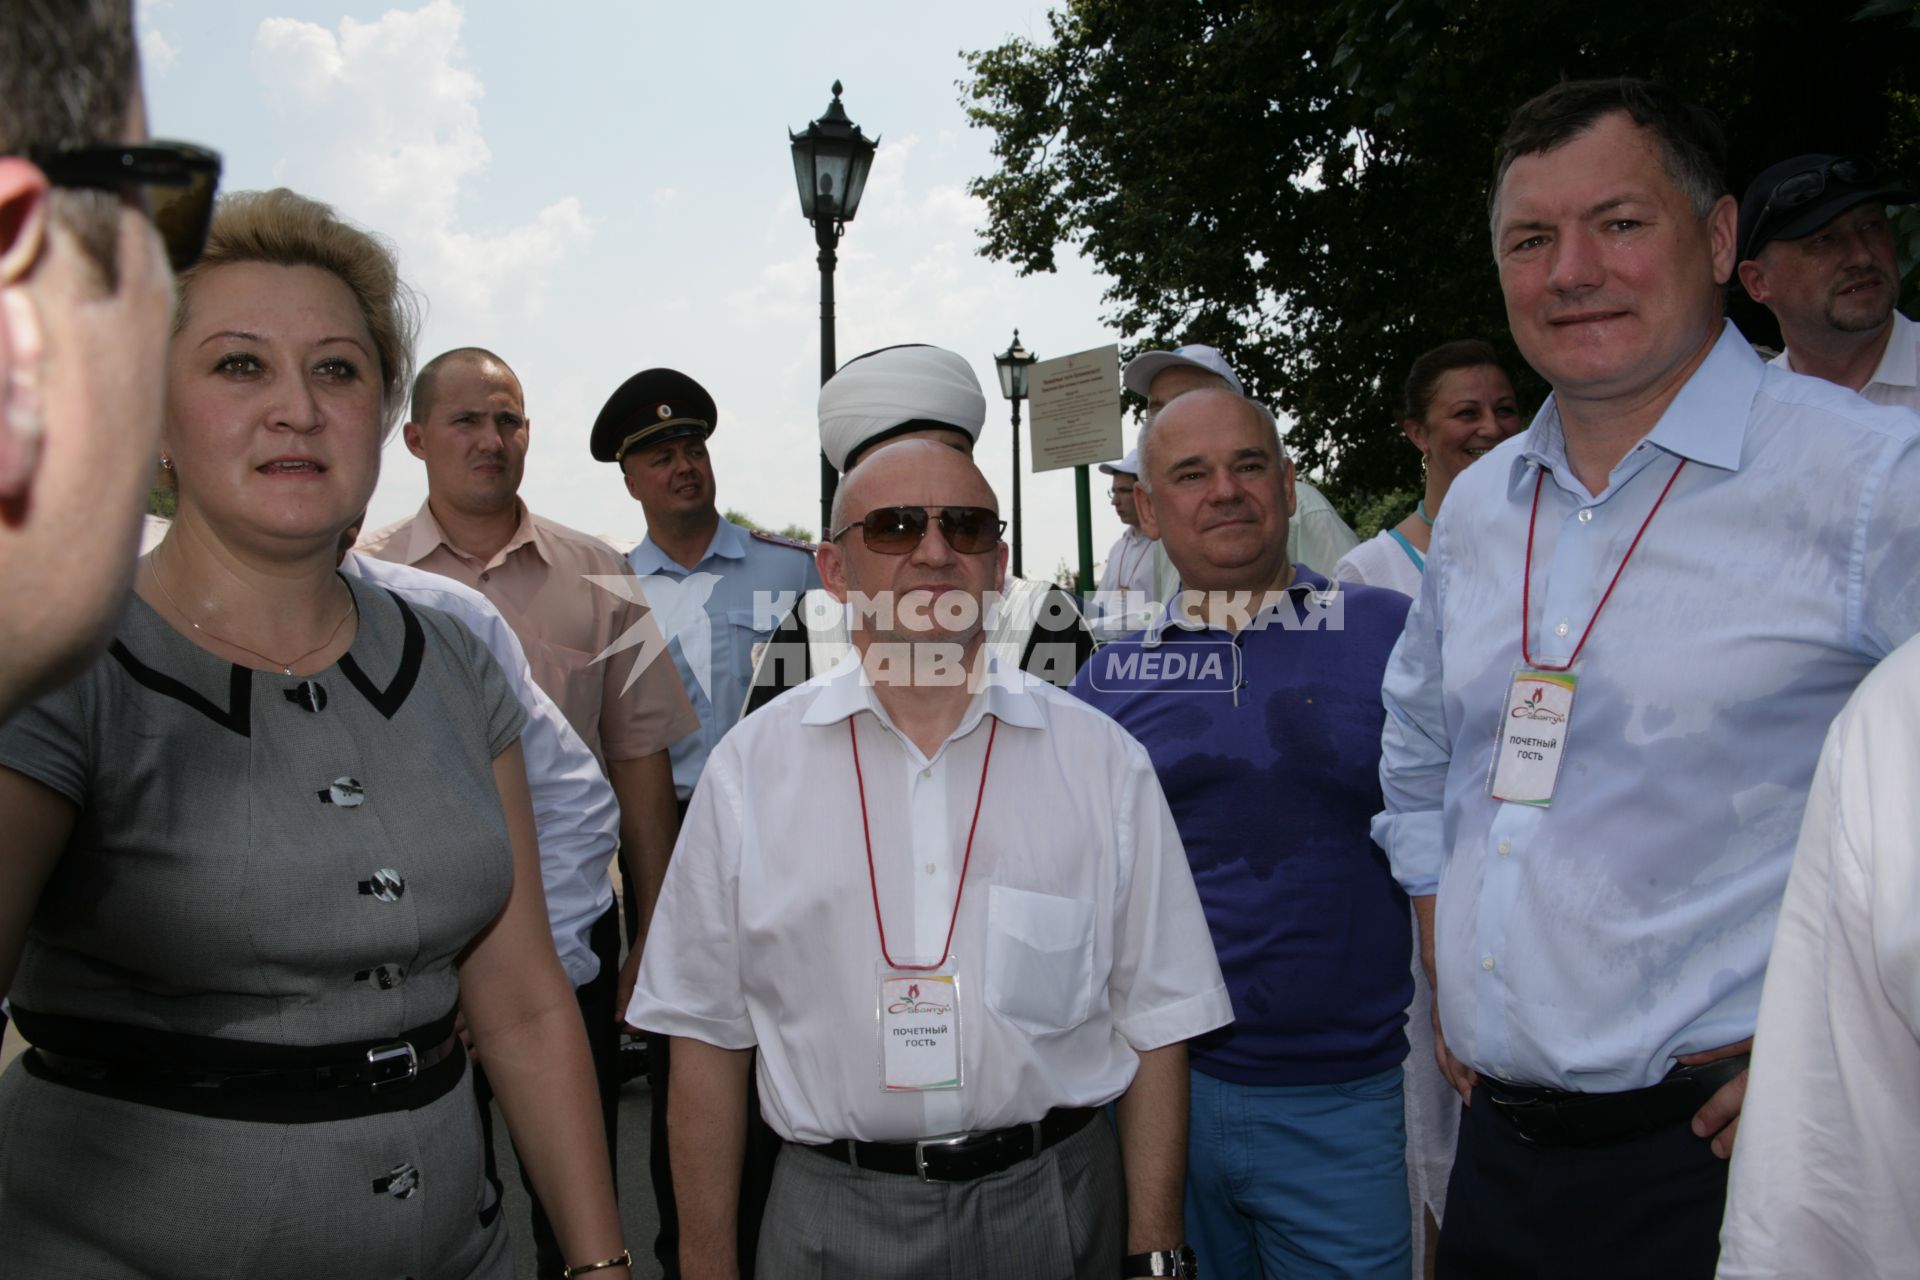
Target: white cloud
[[664, 196], [157, 53], [382, 119]]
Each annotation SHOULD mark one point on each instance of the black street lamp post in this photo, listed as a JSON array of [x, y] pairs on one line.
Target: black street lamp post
[[1013, 364], [831, 161]]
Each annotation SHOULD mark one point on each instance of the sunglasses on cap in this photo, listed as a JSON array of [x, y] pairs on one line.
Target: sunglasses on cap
[[895, 531], [177, 182], [1797, 189]]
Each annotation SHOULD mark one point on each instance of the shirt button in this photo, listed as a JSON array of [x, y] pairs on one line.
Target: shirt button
[[1560, 630], [1504, 1074], [1586, 515], [1506, 847], [1486, 962], [927, 772], [930, 868], [486, 577]]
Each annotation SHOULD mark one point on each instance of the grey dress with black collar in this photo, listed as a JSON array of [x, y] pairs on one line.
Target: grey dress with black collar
[[276, 860]]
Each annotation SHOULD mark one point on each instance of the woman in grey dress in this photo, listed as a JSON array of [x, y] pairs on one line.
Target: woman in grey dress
[[255, 854]]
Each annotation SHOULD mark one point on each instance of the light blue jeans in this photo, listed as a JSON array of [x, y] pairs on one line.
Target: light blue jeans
[[1299, 1180]]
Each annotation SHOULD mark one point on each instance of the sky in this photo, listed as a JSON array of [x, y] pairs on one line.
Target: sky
[[591, 188]]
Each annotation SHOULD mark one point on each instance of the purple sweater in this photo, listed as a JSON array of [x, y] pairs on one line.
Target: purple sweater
[[1272, 785]]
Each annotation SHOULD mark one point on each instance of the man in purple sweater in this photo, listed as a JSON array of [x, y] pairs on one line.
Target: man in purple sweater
[[1257, 693]]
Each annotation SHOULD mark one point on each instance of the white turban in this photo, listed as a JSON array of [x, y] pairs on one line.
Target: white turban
[[893, 391]]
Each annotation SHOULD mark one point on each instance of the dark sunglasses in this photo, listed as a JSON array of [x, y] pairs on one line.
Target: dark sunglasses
[[1797, 189], [177, 183], [894, 531]]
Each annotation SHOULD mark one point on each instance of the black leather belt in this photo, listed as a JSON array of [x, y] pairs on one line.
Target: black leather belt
[[1556, 1118], [245, 1081], [961, 1157]]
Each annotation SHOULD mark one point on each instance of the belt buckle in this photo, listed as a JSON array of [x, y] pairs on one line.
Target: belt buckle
[[920, 1151], [392, 1064]]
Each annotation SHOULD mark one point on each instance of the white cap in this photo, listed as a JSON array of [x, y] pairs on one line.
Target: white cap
[[1145, 367], [895, 390], [1127, 466]]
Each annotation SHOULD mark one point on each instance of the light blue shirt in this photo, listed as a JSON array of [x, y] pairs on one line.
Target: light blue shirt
[[717, 612], [1585, 945]]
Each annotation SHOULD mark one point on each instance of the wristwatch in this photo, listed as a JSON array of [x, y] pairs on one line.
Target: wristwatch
[[1178, 1261]]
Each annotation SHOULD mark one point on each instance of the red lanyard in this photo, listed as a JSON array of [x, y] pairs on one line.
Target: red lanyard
[[1526, 582], [873, 881]]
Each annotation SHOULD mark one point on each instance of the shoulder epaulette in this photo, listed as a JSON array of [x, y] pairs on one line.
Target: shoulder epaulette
[[779, 541]]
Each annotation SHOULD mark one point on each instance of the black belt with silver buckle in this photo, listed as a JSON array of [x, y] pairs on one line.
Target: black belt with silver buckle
[[1557, 1118], [244, 1080], [960, 1157]]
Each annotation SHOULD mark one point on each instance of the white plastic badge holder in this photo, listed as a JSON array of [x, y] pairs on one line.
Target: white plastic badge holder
[[1531, 738], [919, 1016]]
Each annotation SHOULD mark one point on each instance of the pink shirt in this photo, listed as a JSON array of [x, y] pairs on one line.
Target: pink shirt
[[539, 583]]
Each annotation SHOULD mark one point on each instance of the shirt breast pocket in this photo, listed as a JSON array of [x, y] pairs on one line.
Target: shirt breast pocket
[[1039, 959], [746, 640]]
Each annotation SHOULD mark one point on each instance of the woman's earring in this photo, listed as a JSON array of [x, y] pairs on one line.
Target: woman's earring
[[166, 462]]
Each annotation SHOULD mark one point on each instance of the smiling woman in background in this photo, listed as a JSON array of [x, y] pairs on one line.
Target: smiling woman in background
[[270, 840], [1458, 403]]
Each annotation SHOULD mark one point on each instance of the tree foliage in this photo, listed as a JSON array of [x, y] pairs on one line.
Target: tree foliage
[[1304, 185]]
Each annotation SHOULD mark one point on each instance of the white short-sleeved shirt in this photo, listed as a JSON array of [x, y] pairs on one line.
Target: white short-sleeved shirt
[[1823, 1180], [1079, 939], [575, 813], [1383, 560], [1896, 379]]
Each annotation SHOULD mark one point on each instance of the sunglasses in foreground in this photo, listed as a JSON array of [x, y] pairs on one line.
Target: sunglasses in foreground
[[177, 183], [895, 531]]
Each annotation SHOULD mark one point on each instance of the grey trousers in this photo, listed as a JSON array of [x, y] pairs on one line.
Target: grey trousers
[[1059, 1216]]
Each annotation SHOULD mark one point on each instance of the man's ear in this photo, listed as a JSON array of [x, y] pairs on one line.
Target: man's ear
[[23, 236], [411, 434], [1753, 278], [1143, 508], [832, 563], [1293, 503]]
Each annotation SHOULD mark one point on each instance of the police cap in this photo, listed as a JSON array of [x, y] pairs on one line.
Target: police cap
[[650, 408]]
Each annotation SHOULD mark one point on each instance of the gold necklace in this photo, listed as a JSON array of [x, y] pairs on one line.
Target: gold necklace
[[286, 667]]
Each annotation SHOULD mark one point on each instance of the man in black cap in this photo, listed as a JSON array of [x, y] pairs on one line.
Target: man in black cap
[[717, 590], [1817, 251]]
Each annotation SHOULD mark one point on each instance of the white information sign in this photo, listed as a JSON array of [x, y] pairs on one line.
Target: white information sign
[[1075, 406]]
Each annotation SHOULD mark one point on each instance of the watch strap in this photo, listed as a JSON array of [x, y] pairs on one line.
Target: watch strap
[[1177, 1262]]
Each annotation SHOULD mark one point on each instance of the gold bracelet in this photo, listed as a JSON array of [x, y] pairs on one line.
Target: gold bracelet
[[624, 1258]]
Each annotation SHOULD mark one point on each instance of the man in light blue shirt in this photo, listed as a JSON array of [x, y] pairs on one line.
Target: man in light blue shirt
[[1716, 552], [716, 588], [717, 591]]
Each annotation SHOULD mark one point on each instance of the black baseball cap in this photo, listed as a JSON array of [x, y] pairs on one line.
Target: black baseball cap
[[1798, 196]]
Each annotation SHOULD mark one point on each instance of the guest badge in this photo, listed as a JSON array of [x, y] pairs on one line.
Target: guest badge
[[1532, 736], [919, 1029]]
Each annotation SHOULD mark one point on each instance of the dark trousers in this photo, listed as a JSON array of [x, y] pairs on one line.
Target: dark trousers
[[596, 1001], [1648, 1206]]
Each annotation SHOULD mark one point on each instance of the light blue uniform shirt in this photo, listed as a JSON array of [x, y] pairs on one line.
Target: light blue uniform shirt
[[722, 607], [1585, 945]]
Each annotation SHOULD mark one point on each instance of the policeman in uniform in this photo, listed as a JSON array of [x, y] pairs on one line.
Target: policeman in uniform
[[717, 591]]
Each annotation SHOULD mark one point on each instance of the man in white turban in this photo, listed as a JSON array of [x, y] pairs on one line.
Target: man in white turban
[[915, 392]]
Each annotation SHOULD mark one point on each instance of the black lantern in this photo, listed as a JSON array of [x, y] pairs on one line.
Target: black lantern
[[831, 161], [1013, 364]]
